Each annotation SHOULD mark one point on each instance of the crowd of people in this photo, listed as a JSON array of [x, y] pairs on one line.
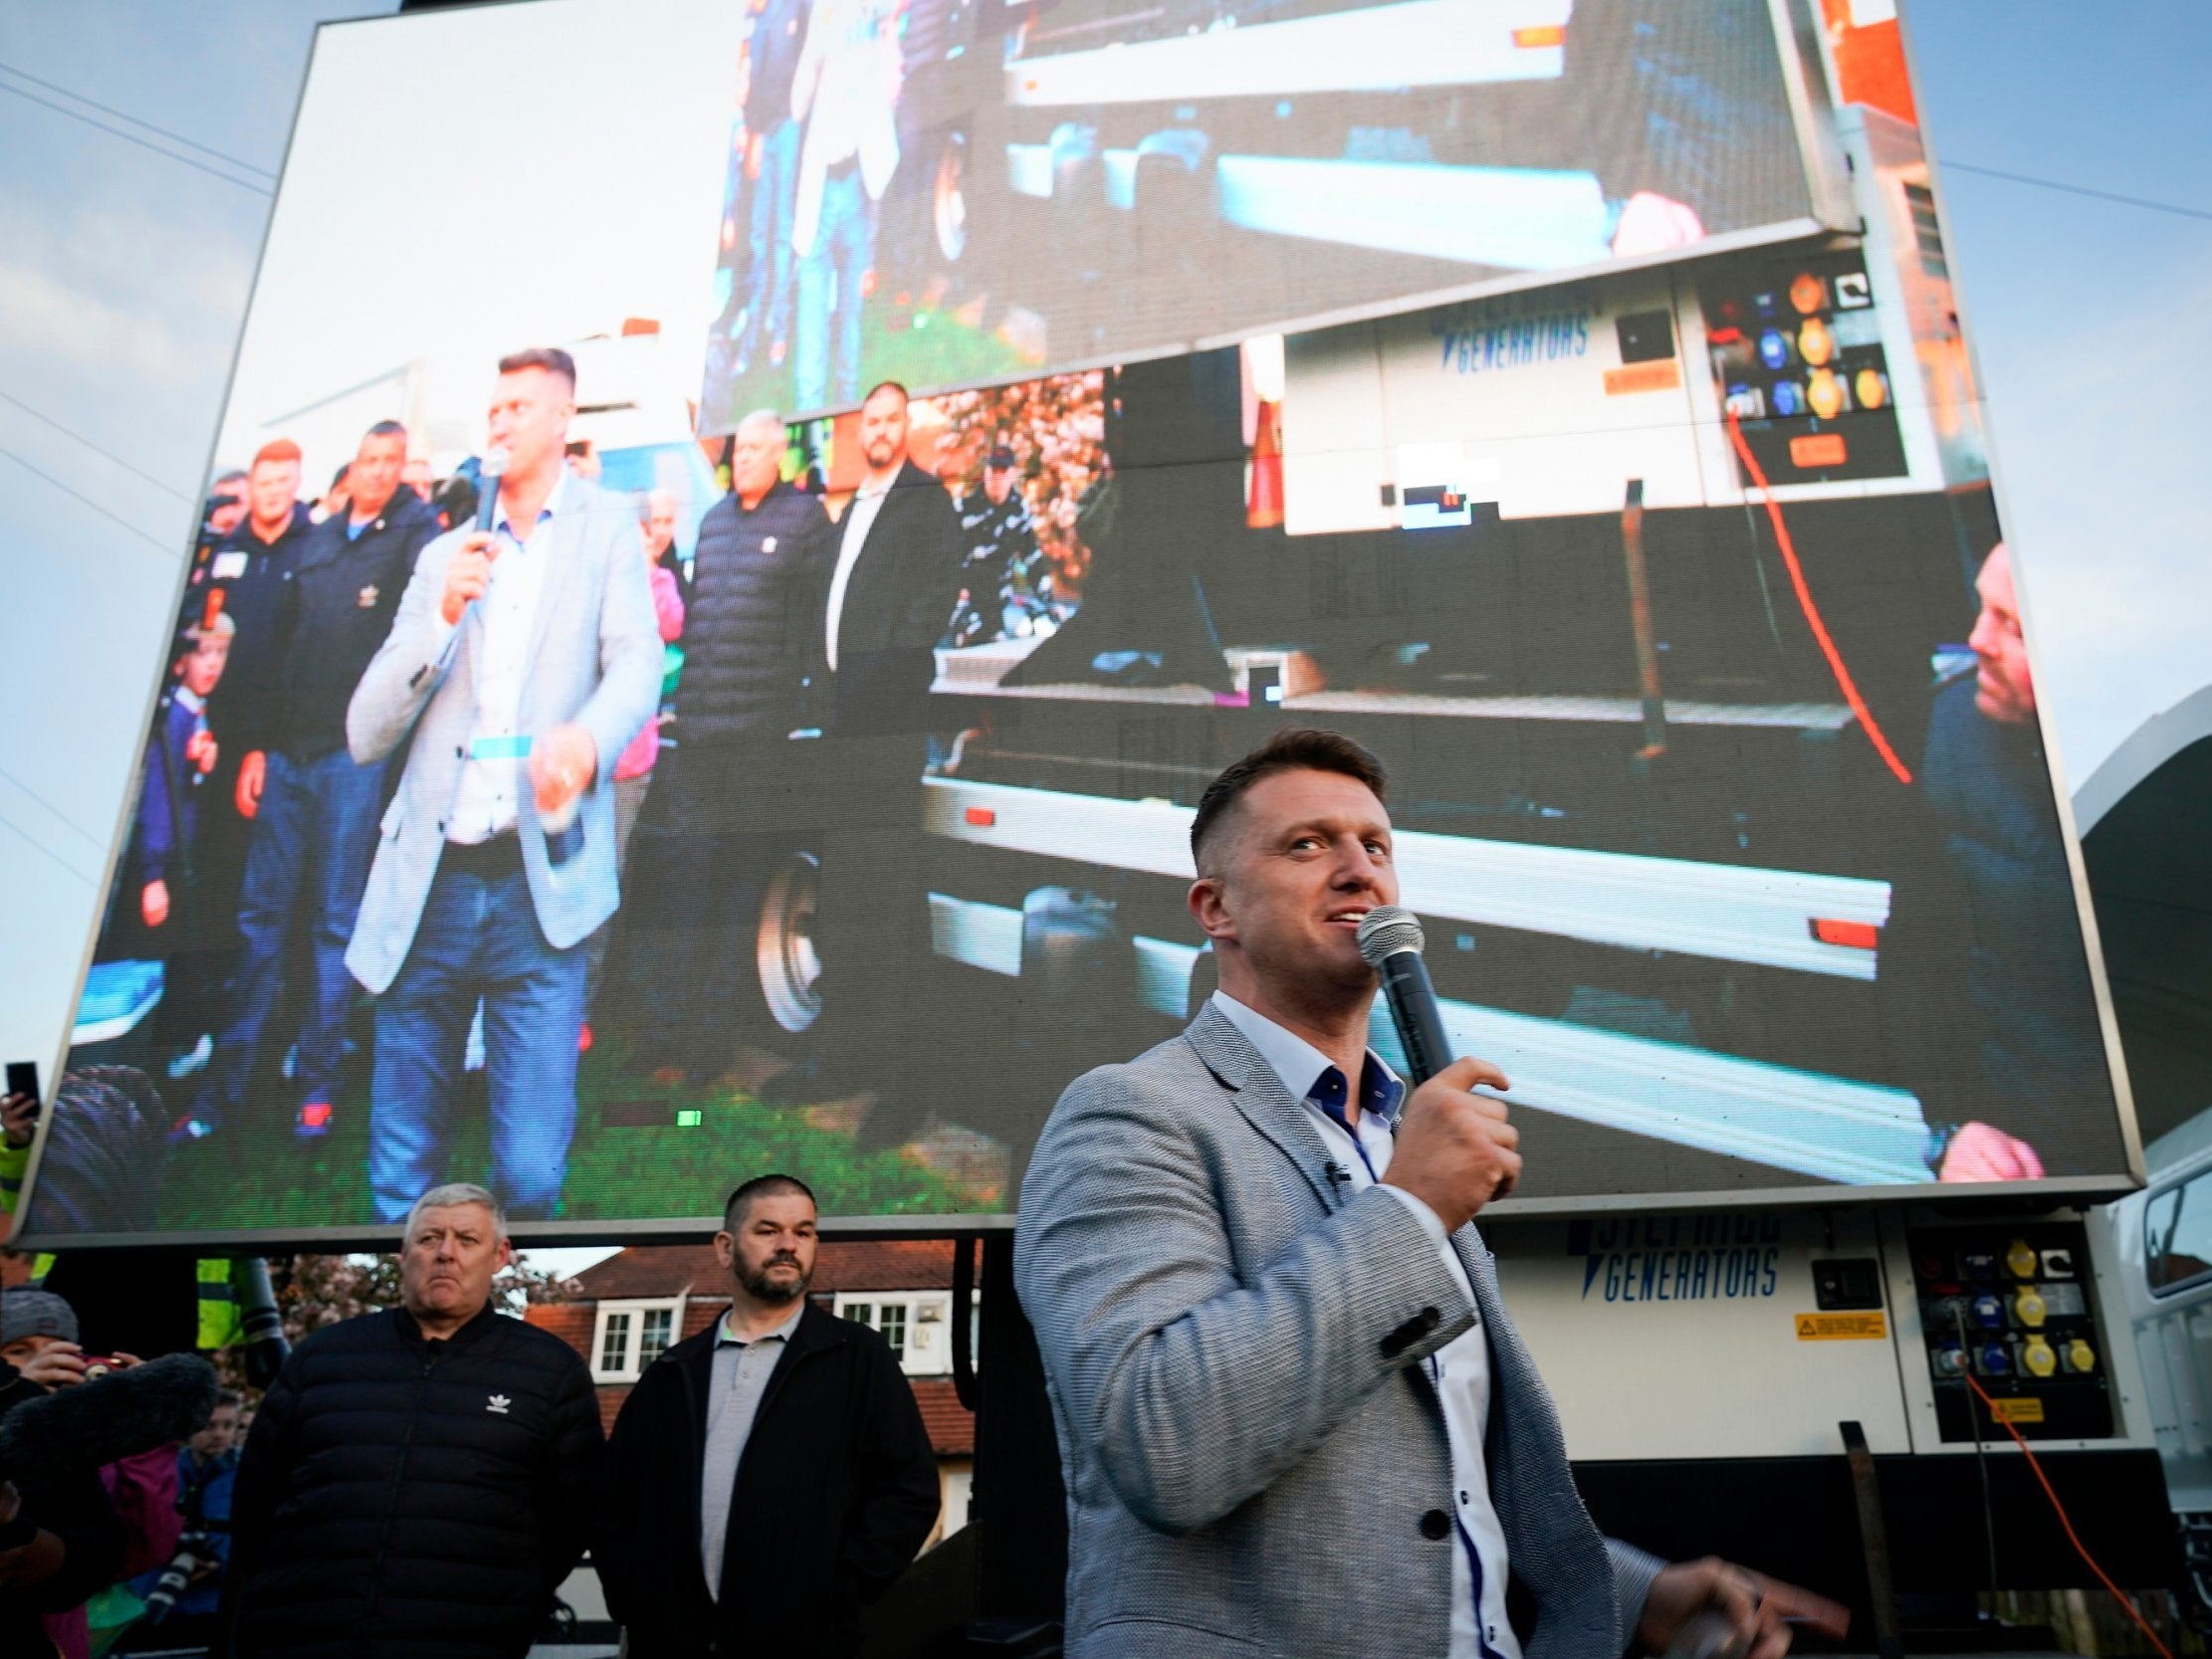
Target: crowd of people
[[423, 1479], [405, 749], [129, 1552]]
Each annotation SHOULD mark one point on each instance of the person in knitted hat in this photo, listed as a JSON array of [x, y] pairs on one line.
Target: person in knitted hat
[[37, 1337], [61, 1539]]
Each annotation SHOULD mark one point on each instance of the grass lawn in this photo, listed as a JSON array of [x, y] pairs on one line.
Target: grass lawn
[[643, 1164], [920, 347]]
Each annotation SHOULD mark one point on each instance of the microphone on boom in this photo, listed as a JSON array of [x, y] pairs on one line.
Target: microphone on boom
[[1391, 939]]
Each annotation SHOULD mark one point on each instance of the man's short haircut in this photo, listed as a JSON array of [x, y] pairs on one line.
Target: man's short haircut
[[230, 1397], [384, 429], [276, 448], [451, 1195], [886, 386], [764, 417], [761, 1186], [237, 475], [1294, 748], [341, 474], [551, 358]]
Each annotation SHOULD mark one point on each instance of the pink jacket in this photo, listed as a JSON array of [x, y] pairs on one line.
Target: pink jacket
[[645, 747]]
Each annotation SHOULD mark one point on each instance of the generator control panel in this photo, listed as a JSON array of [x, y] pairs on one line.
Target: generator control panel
[[2009, 1305]]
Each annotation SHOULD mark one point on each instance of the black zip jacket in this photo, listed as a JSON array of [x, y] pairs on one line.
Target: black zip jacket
[[836, 1491], [343, 602], [255, 579], [409, 1497]]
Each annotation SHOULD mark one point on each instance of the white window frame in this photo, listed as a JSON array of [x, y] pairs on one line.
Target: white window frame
[[929, 1311], [636, 1308]]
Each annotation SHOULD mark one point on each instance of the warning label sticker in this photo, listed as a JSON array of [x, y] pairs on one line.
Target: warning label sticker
[[1842, 1328], [2017, 1410]]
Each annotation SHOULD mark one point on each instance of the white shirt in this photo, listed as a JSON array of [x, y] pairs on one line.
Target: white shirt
[[860, 518], [1461, 1369], [498, 764]]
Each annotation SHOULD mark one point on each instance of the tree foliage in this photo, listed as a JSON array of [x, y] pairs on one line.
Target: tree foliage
[[318, 1291]]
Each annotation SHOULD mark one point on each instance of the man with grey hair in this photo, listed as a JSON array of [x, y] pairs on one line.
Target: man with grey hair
[[417, 1481], [750, 642]]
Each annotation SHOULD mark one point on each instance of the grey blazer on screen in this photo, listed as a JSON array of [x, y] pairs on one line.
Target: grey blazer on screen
[[1233, 1346], [595, 658]]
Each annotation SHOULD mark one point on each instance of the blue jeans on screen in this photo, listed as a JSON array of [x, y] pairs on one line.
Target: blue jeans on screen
[[478, 937], [767, 314], [313, 839], [835, 270]]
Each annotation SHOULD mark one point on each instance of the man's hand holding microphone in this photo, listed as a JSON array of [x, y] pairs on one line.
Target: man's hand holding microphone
[[468, 574], [1455, 1148]]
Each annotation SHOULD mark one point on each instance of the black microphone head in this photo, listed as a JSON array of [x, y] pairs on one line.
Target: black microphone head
[[1386, 930], [119, 1415]]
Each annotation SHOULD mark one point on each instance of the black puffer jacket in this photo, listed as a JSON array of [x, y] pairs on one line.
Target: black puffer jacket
[[753, 626], [401, 1496]]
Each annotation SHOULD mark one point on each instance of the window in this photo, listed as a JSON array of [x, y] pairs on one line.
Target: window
[[892, 1322], [615, 1343], [2177, 1235], [632, 1335], [913, 1325]]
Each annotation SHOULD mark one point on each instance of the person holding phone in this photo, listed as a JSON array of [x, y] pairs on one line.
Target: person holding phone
[[19, 1123]]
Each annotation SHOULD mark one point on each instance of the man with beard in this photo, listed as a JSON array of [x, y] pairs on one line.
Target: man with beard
[[798, 1437], [891, 570]]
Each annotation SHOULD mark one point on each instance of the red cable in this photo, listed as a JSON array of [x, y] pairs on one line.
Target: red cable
[[1812, 611], [2065, 1521]]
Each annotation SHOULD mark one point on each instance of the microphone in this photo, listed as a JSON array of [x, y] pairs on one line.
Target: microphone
[[489, 471], [1391, 939], [119, 1415]]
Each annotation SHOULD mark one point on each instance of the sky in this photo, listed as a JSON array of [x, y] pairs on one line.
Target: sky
[[128, 246]]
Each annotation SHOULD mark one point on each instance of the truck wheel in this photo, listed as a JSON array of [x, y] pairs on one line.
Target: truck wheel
[[784, 952], [949, 198]]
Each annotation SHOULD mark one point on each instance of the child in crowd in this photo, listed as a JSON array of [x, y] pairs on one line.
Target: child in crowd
[[182, 752], [179, 754]]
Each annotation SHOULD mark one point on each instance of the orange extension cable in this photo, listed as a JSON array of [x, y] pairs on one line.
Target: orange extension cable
[[2064, 1520], [1805, 603]]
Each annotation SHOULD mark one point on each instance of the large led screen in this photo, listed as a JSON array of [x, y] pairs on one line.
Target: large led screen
[[952, 191], [815, 796]]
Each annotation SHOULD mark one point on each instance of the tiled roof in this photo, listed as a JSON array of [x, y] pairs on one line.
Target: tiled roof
[[844, 1265], [653, 1270], [951, 1424]]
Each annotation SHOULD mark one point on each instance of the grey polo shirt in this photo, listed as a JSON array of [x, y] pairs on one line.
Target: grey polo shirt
[[741, 1376]]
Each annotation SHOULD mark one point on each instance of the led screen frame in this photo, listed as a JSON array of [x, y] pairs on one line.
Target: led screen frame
[[831, 451]]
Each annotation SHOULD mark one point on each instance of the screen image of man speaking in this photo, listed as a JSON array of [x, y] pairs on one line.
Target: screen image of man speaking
[[1293, 1413], [524, 657]]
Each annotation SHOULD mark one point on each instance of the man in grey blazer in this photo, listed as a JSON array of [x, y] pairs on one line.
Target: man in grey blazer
[[1294, 1418], [520, 663]]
